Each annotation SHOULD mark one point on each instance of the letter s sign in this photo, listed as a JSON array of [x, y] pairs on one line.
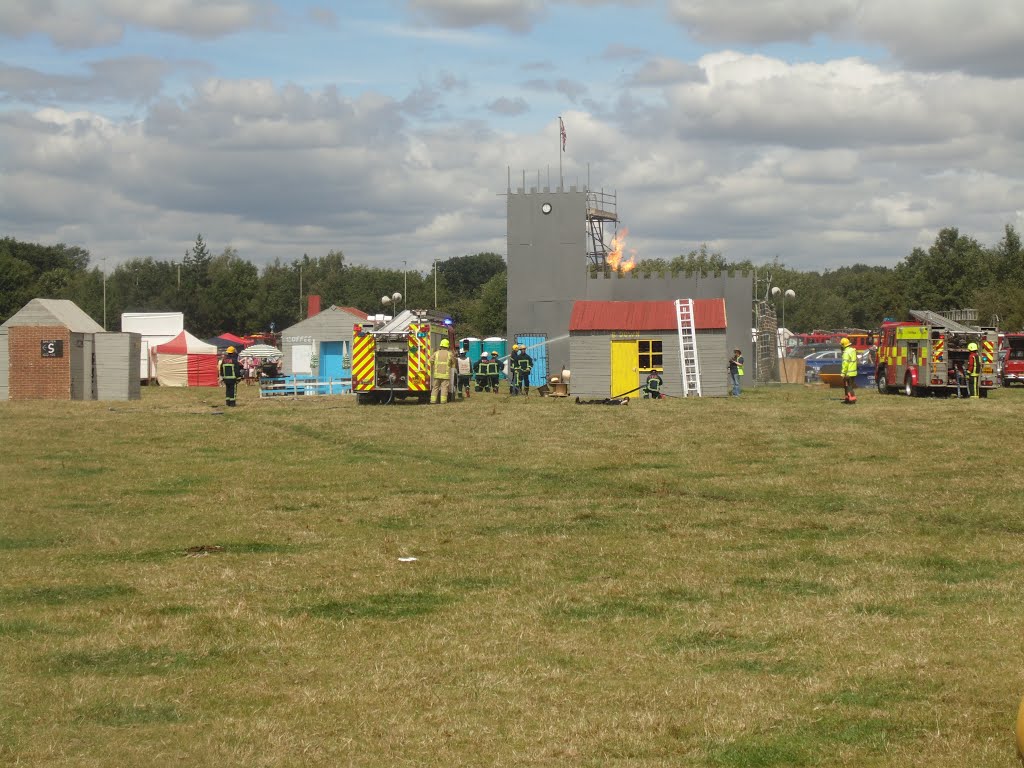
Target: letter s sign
[[51, 348]]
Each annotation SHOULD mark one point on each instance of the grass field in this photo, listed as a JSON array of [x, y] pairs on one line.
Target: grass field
[[778, 580]]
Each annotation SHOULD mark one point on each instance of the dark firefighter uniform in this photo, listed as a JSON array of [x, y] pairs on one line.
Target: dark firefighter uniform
[[520, 365], [483, 373], [653, 385], [494, 369], [230, 372], [973, 370]]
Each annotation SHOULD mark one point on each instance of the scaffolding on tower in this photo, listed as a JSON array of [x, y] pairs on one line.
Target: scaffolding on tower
[[602, 212]]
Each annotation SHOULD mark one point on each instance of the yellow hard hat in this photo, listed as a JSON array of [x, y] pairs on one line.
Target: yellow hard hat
[[494, 354], [231, 349], [844, 342], [515, 347], [444, 343], [972, 347]]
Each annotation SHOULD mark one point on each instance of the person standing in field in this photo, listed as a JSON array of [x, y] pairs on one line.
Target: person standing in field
[[494, 367], [230, 372], [483, 375], [441, 373], [735, 371], [849, 370], [464, 371], [973, 370]]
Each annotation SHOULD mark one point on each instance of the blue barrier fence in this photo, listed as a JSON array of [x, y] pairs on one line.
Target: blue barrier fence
[[303, 386]]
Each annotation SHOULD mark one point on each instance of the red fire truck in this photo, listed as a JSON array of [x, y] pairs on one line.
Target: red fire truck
[[921, 356]]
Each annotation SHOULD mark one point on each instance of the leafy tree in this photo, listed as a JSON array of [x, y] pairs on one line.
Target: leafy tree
[[946, 275], [466, 275], [492, 313], [233, 284]]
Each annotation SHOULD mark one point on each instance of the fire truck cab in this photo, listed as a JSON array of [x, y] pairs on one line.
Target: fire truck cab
[[922, 356]]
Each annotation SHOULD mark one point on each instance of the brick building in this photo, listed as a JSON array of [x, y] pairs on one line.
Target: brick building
[[51, 350]]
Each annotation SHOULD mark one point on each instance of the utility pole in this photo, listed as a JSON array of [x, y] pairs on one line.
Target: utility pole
[[435, 283], [300, 290], [104, 293], [405, 284]]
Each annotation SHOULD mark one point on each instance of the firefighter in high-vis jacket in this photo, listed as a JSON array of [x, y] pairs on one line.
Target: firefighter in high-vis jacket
[[849, 369], [483, 373], [653, 385], [973, 369], [441, 363], [230, 373]]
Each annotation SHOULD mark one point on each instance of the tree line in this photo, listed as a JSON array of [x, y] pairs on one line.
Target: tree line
[[955, 272], [227, 293]]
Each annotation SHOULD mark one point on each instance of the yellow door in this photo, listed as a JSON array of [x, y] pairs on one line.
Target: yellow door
[[624, 371]]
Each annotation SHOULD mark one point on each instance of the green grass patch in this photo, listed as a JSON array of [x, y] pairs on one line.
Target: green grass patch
[[786, 587], [68, 594], [122, 715], [765, 751], [949, 570], [610, 609], [391, 605], [129, 660]]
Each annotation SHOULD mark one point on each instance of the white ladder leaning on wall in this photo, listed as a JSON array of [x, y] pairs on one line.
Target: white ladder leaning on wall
[[688, 347]]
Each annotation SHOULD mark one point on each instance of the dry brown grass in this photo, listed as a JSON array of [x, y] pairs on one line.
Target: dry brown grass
[[774, 581]]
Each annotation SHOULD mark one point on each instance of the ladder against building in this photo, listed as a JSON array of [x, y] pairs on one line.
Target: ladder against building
[[688, 347]]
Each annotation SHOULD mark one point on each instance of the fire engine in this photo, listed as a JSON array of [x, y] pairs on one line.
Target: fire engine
[[921, 356], [391, 359]]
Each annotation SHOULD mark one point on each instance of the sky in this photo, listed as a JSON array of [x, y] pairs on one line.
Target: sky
[[821, 133]]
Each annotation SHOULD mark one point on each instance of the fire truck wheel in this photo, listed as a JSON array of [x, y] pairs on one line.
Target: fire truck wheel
[[883, 388], [908, 387], [982, 393]]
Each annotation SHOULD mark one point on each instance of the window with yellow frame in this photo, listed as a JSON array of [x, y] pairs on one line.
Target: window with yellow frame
[[649, 355]]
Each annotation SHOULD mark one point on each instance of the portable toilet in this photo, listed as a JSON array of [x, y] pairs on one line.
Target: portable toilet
[[473, 347], [499, 345]]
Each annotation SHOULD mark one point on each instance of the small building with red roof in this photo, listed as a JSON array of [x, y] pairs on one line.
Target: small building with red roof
[[614, 344]]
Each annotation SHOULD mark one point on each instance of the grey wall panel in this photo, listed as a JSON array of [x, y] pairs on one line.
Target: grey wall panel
[[546, 264], [117, 365], [591, 366], [83, 385]]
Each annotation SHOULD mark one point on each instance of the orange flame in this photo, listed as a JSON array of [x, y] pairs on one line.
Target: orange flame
[[615, 256]]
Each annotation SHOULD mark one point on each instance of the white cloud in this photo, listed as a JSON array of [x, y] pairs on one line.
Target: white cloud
[[930, 35], [514, 15], [88, 23]]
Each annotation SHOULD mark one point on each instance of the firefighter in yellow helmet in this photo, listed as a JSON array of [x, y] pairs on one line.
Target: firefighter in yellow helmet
[[849, 370], [973, 370], [230, 372], [441, 367]]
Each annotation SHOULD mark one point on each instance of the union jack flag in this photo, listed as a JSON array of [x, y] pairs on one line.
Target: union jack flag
[[561, 128]]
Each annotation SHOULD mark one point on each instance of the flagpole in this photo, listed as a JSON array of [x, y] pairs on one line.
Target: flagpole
[[561, 181]]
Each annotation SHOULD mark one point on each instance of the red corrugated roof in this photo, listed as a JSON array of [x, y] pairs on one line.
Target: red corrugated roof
[[708, 314], [357, 312]]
